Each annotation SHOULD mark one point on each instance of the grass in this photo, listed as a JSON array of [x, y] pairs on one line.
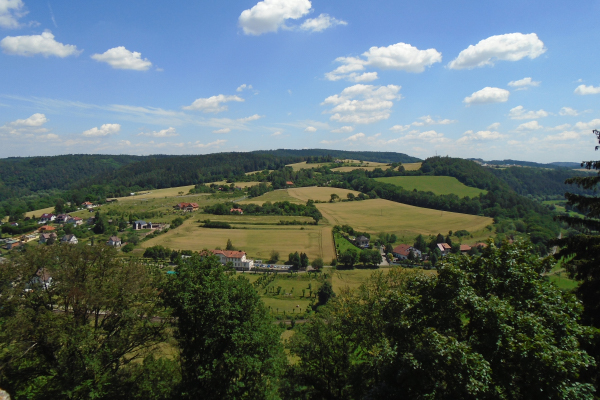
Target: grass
[[239, 184], [367, 168], [436, 184], [304, 165], [405, 221], [319, 193], [38, 213], [562, 282], [276, 195], [158, 193], [343, 244], [351, 279], [412, 166], [257, 240]]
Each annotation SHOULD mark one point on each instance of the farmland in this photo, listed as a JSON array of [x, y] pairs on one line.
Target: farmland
[[405, 221], [412, 166], [436, 184], [319, 193], [274, 196]]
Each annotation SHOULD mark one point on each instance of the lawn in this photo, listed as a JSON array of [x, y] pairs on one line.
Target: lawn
[[378, 215], [38, 213], [256, 240], [436, 184], [153, 194], [274, 196], [319, 193]]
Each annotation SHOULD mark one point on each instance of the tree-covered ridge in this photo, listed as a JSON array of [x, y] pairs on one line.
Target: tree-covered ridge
[[540, 182], [373, 156]]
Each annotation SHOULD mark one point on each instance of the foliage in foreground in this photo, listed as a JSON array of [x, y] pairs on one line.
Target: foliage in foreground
[[488, 328]]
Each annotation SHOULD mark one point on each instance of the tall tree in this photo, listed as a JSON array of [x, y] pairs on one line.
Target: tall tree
[[229, 347]]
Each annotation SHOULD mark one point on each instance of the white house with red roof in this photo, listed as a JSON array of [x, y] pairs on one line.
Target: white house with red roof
[[236, 258], [236, 211], [45, 218], [402, 251], [187, 206], [445, 248]]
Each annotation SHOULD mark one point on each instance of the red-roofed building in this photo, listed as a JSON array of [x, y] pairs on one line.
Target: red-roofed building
[[186, 206], [236, 210], [289, 183], [445, 248], [403, 250], [236, 258], [481, 245], [45, 218], [465, 248], [46, 228]]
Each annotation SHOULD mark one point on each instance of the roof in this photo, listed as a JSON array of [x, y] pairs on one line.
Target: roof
[[47, 228], [362, 238], [185, 205], [114, 239], [480, 244], [86, 203], [444, 246], [402, 249], [141, 222], [68, 238], [465, 247], [230, 253], [47, 215], [289, 183], [236, 209]]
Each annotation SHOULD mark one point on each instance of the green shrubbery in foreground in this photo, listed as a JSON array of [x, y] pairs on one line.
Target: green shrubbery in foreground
[[488, 327]]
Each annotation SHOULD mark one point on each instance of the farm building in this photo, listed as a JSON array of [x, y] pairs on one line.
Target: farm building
[[445, 248], [237, 258], [465, 248]]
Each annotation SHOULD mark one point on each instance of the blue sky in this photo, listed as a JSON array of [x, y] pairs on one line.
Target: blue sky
[[493, 80]]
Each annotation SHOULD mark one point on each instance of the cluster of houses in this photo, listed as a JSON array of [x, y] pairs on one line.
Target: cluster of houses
[[188, 207], [403, 251], [60, 219]]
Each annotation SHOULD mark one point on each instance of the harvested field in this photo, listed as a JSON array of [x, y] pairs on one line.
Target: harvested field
[[436, 184], [319, 193]]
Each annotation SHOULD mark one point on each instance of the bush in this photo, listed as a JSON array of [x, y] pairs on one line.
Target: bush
[[127, 248], [217, 225], [177, 222]]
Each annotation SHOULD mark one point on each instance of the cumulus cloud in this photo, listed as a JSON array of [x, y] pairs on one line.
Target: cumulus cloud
[[10, 12], [399, 56], [224, 130], [242, 87], [28, 126], [121, 58], [583, 90], [479, 135], [104, 130], [43, 44], [321, 23], [250, 118], [213, 104], [568, 111], [494, 126], [524, 83], [276, 133], [216, 143], [169, 132], [49, 136], [588, 126], [520, 113], [310, 129], [508, 47], [399, 128], [270, 15], [566, 135], [362, 104], [427, 120], [427, 136], [343, 129], [487, 95], [562, 127], [529, 126], [353, 138]]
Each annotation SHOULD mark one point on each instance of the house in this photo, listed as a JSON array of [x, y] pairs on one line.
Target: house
[[14, 224], [12, 245], [87, 204], [445, 248], [236, 210], [70, 239], [362, 241], [481, 245], [289, 183], [45, 218], [46, 228], [402, 251], [76, 221], [114, 241], [42, 277], [465, 248], [47, 237], [137, 225], [237, 258], [29, 238], [186, 206], [62, 218]]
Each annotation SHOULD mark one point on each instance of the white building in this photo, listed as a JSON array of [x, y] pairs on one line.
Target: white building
[[237, 258]]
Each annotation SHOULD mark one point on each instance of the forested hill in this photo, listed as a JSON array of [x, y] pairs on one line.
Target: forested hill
[[554, 165], [374, 156], [540, 182], [21, 176]]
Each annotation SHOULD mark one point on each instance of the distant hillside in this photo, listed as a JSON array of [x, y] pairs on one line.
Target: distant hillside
[[553, 165], [375, 156], [21, 176]]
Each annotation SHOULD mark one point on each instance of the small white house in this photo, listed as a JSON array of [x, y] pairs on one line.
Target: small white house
[[69, 239], [45, 218], [114, 241], [237, 258]]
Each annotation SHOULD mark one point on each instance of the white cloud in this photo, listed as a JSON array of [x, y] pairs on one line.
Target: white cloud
[[488, 95], [270, 15], [479, 135], [583, 90], [104, 130], [399, 128], [494, 126], [43, 44], [562, 127], [399, 56], [212, 104], [523, 83], [35, 120], [242, 87], [566, 135], [508, 47], [250, 118], [49, 136], [10, 12], [362, 104], [276, 133], [343, 129], [28, 126], [216, 143], [223, 130], [321, 23], [568, 111], [427, 136], [355, 137], [588, 126], [310, 129], [520, 113], [121, 58], [169, 132], [529, 126], [427, 120]]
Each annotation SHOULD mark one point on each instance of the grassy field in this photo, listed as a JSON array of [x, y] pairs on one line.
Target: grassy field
[[405, 221], [436, 184], [304, 165], [38, 213], [319, 193], [158, 193], [369, 168], [256, 240], [274, 196], [240, 184], [412, 166]]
